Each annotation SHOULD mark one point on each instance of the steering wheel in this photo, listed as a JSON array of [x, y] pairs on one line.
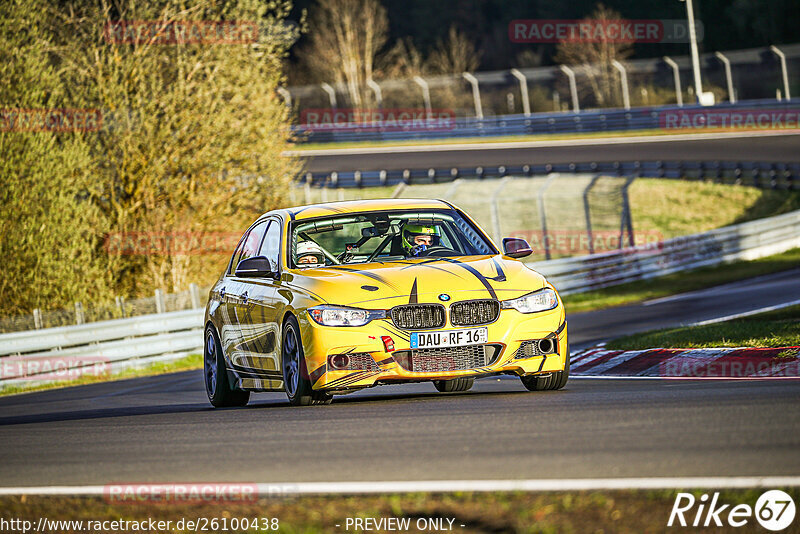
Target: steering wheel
[[436, 251]]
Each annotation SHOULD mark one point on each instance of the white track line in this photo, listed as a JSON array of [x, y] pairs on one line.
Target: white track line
[[443, 486], [533, 144], [723, 288], [747, 313]]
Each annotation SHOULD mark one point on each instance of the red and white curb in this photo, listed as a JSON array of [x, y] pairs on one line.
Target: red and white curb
[[781, 362]]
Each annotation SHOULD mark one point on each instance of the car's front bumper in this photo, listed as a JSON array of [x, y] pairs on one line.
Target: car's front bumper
[[509, 331]]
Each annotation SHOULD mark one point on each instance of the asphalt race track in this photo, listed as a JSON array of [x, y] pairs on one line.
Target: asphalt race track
[[738, 147], [161, 429]]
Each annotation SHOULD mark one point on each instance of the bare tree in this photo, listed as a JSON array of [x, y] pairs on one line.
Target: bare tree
[[453, 56], [596, 56], [344, 39]]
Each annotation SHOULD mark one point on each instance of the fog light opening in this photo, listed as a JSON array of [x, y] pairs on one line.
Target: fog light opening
[[545, 346], [339, 361]]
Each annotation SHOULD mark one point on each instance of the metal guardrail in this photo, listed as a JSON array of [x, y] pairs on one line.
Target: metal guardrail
[[145, 339], [590, 121], [765, 175], [744, 241]]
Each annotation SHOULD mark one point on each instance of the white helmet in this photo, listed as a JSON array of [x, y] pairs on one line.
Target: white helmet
[[309, 253]]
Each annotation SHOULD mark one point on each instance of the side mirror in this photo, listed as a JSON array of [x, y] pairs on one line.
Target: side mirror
[[257, 266], [514, 247]]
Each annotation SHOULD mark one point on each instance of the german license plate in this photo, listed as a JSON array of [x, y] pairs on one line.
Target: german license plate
[[449, 338]]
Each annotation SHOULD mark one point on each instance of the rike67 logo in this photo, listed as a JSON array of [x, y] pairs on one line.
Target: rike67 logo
[[774, 510]]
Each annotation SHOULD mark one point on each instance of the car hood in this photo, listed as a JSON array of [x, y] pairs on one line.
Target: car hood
[[386, 284]]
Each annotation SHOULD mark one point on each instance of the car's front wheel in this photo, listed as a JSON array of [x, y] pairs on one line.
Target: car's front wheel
[[296, 383], [456, 384], [552, 381], [218, 388]]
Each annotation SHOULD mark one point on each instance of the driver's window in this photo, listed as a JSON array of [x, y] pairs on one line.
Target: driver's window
[[272, 244], [249, 245]]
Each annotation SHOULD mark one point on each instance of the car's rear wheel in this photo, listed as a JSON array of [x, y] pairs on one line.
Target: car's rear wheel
[[456, 384], [552, 381], [219, 390], [295, 374]]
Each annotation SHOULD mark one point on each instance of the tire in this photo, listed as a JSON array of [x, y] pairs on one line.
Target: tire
[[552, 382], [456, 384], [295, 373], [218, 388]]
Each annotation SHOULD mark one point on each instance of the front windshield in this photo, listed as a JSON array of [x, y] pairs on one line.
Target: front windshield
[[384, 236]]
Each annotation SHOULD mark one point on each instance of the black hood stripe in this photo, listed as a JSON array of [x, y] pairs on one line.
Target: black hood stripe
[[475, 272], [412, 298]]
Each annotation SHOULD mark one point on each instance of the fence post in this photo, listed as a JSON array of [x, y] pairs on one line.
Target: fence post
[[426, 94], [37, 318], [784, 74], [331, 94], [79, 318], [573, 87], [377, 90], [676, 74], [587, 212], [287, 96], [194, 292], [476, 93], [523, 88], [626, 97], [120, 305], [728, 78], [626, 221], [159, 301], [543, 215], [495, 211]]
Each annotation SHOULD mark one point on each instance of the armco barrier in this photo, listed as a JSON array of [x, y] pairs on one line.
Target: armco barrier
[[147, 338], [744, 241], [590, 121]]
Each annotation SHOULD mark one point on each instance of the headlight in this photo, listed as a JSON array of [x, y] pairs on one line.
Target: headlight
[[538, 301], [341, 316]]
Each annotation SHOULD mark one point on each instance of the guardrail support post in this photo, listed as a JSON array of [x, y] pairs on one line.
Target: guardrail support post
[[495, 210], [476, 93], [728, 78], [587, 213], [573, 87], [523, 88], [676, 75], [626, 97], [377, 90], [331, 94], [159, 301], [194, 292], [426, 94], [37, 318], [784, 74], [79, 318]]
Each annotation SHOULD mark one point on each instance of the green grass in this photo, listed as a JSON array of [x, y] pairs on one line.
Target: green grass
[[192, 361], [679, 282], [623, 512], [778, 328]]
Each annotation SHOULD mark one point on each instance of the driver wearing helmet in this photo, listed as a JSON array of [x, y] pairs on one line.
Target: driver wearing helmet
[[309, 254], [418, 238]]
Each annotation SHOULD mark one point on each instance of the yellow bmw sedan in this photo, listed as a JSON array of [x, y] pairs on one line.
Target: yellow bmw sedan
[[329, 299]]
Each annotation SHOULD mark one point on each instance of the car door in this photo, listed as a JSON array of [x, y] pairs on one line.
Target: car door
[[255, 310], [238, 292]]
